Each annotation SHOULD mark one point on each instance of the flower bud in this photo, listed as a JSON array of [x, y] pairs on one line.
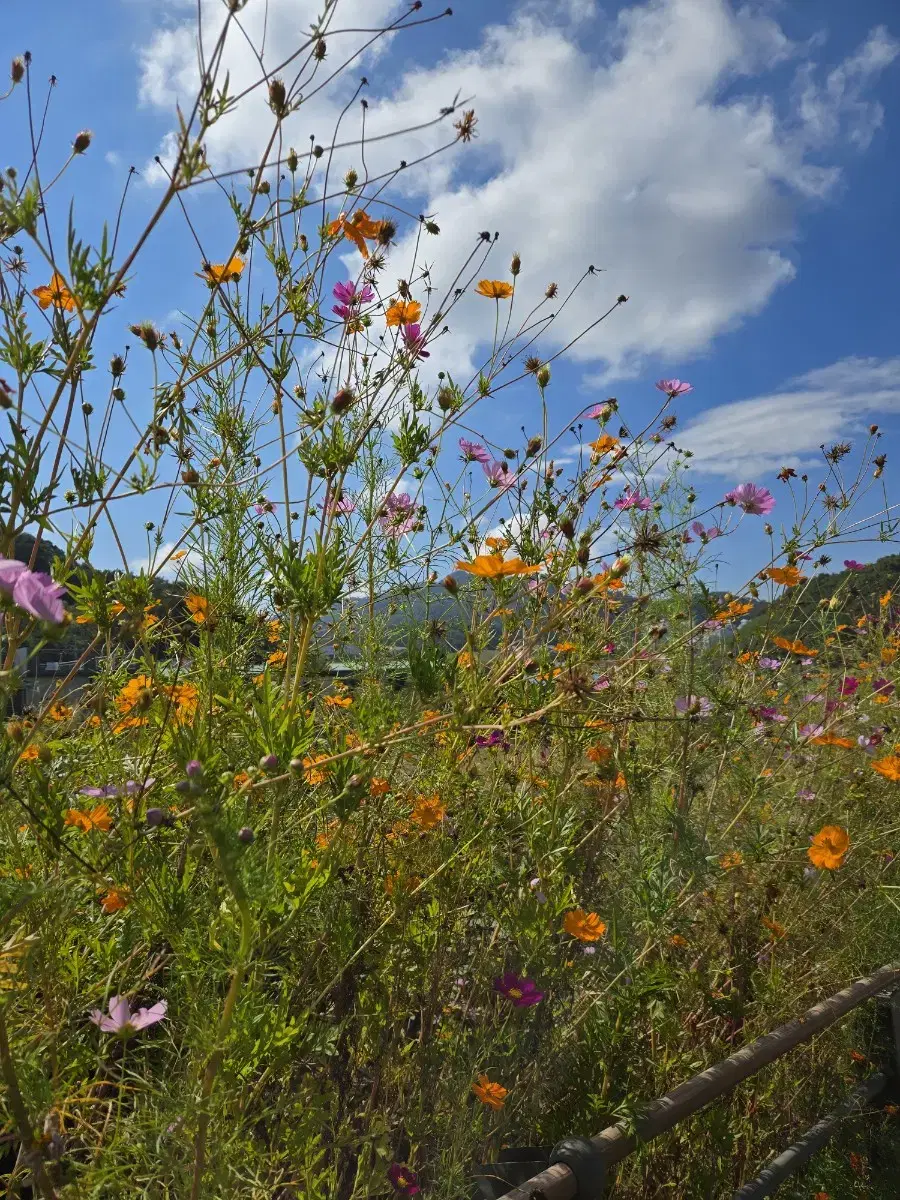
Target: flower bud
[[190, 476], [246, 835], [621, 566], [183, 786], [344, 399], [45, 754], [82, 141], [543, 376], [446, 399], [534, 446], [226, 778], [516, 265], [351, 179], [296, 764], [193, 769], [154, 817], [292, 161], [451, 585], [268, 762], [17, 70], [117, 366]]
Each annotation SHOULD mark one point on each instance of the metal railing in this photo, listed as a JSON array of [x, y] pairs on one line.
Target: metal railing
[[579, 1166]]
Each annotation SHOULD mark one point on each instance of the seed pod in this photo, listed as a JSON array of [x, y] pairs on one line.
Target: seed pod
[[82, 141]]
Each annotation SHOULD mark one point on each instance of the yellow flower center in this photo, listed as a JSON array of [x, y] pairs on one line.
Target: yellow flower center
[[516, 993]]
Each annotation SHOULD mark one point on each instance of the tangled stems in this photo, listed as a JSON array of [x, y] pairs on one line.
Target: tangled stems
[[31, 1150]]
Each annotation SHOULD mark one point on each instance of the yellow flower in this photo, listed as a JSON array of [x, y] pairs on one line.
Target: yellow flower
[[403, 312], [356, 229], [787, 576], [888, 767], [491, 566], [223, 272], [114, 899], [97, 817], [428, 811], [56, 293], [312, 772], [587, 927], [829, 847], [494, 289], [197, 606], [492, 1094]]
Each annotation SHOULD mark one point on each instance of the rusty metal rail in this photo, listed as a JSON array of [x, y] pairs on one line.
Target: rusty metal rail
[[579, 1165]]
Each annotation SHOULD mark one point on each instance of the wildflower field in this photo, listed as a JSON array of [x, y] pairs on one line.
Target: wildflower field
[[566, 827]]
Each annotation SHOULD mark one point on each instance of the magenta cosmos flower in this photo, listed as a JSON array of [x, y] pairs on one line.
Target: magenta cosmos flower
[[757, 501], [350, 299], [633, 500], [852, 565], [474, 452], [122, 1021], [404, 1181], [521, 992], [414, 341], [674, 387], [499, 475], [400, 514]]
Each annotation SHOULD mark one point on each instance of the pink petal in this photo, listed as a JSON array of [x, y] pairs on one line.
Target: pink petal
[[149, 1016]]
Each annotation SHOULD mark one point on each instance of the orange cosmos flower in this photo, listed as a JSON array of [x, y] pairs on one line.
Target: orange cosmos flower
[[197, 606], [428, 811], [92, 818], [494, 289], [339, 701], [115, 899], [56, 293], [378, 787], [277, 658], [215, 273], [312, 772], [491, 566], [604, 444], [829, 848], [733, 858], [888, 767], [240, 778], [677, 940], [587, 927], [274, 631], [403, 312], [598, 754], [29, 754], [492, 1094], [776, 930], [784, 643], [832, 739], [735, 609], [59, 712], [787, 576], [356, 229], [885, 600], [497, 544]]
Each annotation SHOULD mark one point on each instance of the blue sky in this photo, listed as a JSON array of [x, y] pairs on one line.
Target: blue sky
[[733, 167]]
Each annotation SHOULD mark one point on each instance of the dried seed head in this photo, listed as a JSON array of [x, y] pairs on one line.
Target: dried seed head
[[151, 337], [190, 476], [278, 101], [552, 289], [516, 265], [17, 70], [117, 366], [534, 446], [292, 161], [387, 231], [446, 399], [533, 364], [82, 141], [351, 179], [465, 127], [319, 52]]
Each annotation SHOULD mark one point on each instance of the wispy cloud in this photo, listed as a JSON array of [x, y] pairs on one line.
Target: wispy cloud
[[786, 427]]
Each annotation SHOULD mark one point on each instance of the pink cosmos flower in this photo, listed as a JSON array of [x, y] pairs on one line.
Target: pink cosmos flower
[[757, 501], [400, 515], [769, 664], [340, 508], [499, 475], [596, 411], [414, 341], [674, 387], [264, 506], [404, 1181], [811, 731], [474, 452], [122, 1021], [706, 535], [633, 500], [522, 992], [38, 595], [693, 706], [852, 565], [109, 790], [10, 570], [349, 299]]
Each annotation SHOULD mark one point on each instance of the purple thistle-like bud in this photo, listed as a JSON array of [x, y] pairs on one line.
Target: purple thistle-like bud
[[268, 762], [155, 817], [193, 769]]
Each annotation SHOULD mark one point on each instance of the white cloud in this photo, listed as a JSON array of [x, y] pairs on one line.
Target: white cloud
[[787, 427], [658, 150]]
